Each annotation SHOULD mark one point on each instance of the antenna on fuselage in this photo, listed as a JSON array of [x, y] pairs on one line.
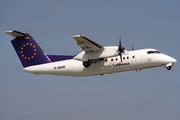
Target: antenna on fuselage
[[132, 47]]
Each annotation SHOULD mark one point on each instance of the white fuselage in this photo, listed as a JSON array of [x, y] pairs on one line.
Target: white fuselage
[[132, 60]]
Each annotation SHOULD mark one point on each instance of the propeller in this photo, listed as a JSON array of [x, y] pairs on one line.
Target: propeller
[[120, 49]]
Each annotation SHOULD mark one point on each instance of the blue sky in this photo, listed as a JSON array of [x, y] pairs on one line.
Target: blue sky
[[145, 95]]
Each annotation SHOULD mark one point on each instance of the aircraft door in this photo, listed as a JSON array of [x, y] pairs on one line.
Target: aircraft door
[[133, 59], [107, 63]]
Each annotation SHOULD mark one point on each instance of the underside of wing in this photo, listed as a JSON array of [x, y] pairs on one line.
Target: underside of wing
[[86, 44]]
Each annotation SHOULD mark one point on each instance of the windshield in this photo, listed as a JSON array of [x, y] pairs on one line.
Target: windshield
[[153, 52]]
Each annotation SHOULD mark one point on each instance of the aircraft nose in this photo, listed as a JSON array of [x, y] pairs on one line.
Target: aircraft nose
[[172, 60]]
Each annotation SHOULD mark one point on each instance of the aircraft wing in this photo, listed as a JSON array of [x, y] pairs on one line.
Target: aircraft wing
[[86, 44]]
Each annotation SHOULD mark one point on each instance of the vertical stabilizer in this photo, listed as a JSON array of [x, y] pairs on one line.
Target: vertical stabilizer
[[28, 51]]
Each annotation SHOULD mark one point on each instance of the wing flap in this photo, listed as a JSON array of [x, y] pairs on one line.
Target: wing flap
[[86, 44]]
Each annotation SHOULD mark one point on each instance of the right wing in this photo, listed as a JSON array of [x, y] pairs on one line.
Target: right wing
[[86, 44]]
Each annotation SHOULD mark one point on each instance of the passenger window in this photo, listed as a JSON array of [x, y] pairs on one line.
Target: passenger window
[[116, 59], [133, 57], [106, 60], [123, 58], [111, 59], [127, 57]]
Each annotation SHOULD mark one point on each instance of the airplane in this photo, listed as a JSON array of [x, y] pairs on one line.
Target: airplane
[[93, 59]]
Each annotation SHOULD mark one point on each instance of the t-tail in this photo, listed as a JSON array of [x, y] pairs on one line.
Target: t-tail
[[28, 51]]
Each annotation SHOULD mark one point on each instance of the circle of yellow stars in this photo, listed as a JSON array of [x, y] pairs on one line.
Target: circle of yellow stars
[[31, 45]]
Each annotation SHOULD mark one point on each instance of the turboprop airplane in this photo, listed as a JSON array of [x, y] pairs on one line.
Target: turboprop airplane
[[93, 59]]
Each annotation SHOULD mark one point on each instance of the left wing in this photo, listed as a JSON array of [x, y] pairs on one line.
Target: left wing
[[86, 44]]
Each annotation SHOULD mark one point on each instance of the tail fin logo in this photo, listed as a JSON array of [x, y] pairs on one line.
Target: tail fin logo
[[25, 46]]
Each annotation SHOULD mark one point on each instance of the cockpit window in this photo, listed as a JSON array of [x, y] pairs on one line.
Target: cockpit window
[[153, 52], [150, 52], [157, 52]]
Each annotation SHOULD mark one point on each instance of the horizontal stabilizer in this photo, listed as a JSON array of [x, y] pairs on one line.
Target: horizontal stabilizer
[[15, 33]]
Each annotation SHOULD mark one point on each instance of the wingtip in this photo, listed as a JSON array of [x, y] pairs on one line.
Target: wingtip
[[75, 36]]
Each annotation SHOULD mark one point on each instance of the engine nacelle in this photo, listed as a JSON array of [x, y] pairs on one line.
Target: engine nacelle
[[105, 53]]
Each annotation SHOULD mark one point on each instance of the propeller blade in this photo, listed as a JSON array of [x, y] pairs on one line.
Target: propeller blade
[[119, 44], [120, 49], [121, 56]]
